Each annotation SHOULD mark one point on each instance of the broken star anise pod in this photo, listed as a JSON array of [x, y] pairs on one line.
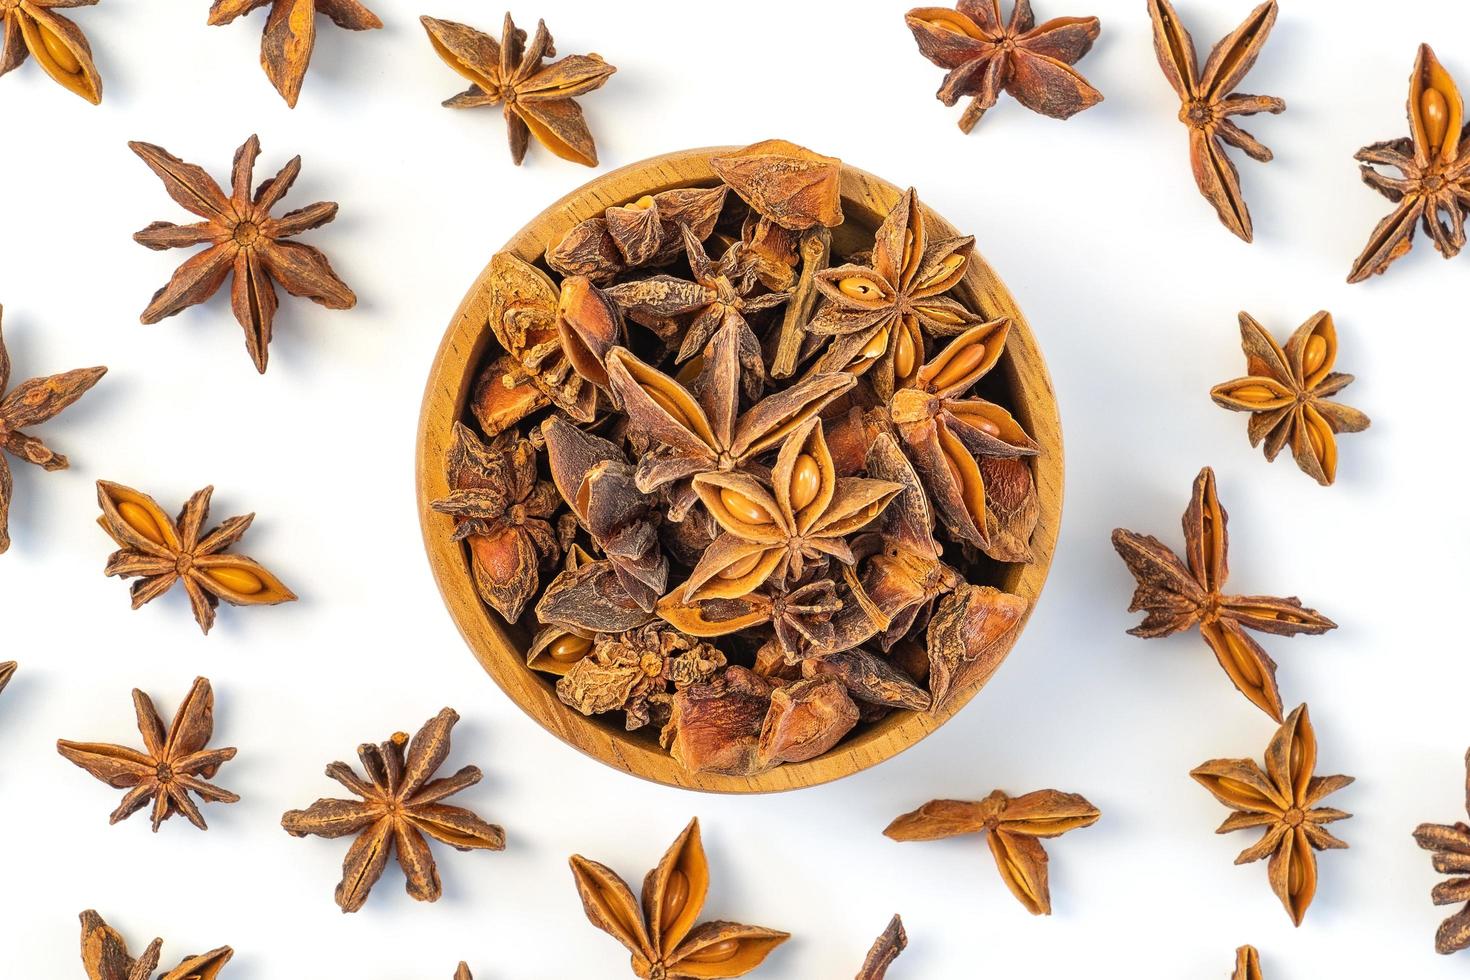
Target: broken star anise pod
[[661, 931], [400, 803], [986, 55], [33, 27], [500, 510], [1247, 964], [1207, 102], [1287, 391], [105, 956], [164, 552], [537, 100], [1282, 799], [1434, 164], [635, 672], [290, 34], [247, 245], [1179, 594], [892, 941], [1451, 846], [31, 403], [645, 231], [172, 765], [1014, 828]]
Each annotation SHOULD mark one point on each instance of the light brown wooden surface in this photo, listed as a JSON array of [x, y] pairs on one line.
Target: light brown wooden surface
[[866, 199]]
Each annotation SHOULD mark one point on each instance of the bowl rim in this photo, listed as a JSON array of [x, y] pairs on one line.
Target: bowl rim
[[451, 378]]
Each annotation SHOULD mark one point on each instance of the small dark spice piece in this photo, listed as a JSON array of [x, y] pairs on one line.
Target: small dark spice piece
[[885, 950], [290, 34], [105, 956], [1451, 846], [33, 27], [31, 403], [1247, 964]]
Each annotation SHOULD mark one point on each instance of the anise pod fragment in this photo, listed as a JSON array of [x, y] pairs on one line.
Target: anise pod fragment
[[806, 719], [290, 34], [892, 941], [785, 183], [636, 672], [590, 598], [33, 27], [870, 678], [716, 727], [646, 231], [105, 956], [1450, 844], [7, 671], [967, 638], [525, 314], [1247, 964]]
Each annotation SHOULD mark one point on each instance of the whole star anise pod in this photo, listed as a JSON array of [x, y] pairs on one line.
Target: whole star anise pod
[[1283, 800], [246, 244], [1451, 846], [31, 403], [800, 617], [1207, 103], [537, 99], [1177, 595], [636, 672], [33, 27], [290, 34], [1287, 391], [661, 931], [105, 956], [400, 803], [1434, 163], [172, 765], [164, 552], [986, 55]]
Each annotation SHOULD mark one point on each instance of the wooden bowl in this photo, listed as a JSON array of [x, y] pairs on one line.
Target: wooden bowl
[[1020, 381]]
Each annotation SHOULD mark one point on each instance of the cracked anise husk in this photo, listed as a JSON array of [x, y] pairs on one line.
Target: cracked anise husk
[[633, 672]]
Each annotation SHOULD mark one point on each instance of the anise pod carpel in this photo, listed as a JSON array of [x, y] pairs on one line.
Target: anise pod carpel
[[162, 552], [1450, 844], [892, 941], [634, 672], [785, 183], [800, 617], [1014, 828], [660, 931], [589, 325], [1012, 508], [806, 719], [870, 679], [716, 726], [463, 972], [967, 636], [33, 27], [105, 956], [645, 231], [590, 599], [290, 34], [1247, 964], [524, 315]]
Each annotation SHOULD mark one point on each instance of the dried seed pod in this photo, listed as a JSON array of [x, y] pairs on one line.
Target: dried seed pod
[[870, 678], [589, 325], [886, 948], [966, 637], [806, 719], [789, 184], [716, 727], [1247, 964]]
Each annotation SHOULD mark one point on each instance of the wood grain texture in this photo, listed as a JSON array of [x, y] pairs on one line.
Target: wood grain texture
[[1021, 378]]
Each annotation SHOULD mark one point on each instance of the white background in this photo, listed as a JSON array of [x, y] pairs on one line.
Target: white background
[[1125, 275]]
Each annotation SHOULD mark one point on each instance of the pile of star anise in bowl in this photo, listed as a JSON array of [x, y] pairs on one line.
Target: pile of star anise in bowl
[[739, 469]]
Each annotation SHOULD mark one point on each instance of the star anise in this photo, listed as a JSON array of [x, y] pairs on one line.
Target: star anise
[[33, 27], [1283, 800], [877, 315], [31, 403], [1451, 846], [1247, 964], [500, 510], [1434, 163], [800, 617], [400, 803], [1014, 827], [1177, 596], [986, 55], [172, 765], [1287, 392], [636, 671], [1207, 103], [246, 244], [105, 956], [892, 941], [164, 552], [660, 931], [537, 99], [290, 34], [645, 231]]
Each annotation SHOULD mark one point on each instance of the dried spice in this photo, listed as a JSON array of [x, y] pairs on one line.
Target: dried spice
[[7, 671], [33, 27], [1207, 102], [886, 948], [162, 552], [660, 930], [1014, 828], [463, 973], [247, 245], [716, 726], [1451, 846], [105, 956], [1434, 166], [966, 636], [400, 803], [1282, 799], [290, 34], [646, 231], [1177, 596], [538, 100], [633, 671], [986, 55], [1287, 391], [28, 404], [1247, 964], [172, 765]]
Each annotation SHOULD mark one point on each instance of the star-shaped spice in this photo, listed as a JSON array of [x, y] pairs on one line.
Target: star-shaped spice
[[660, 931], [892, 941], [537, 100], [1434, 163], [1207, 102], [400, 803], [1247, 964], [172, 765], [105, 956], [1451, 846], [1287, 391], [290, 34], [1014, 827], [1176, 596], [246, 244], [164, 552], [33, 27], [634, 672], [31, 403], [986, 55], [1282, 799]]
